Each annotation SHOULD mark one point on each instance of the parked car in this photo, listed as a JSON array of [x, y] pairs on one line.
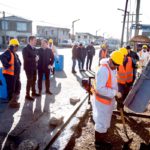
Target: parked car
[[65, 43]]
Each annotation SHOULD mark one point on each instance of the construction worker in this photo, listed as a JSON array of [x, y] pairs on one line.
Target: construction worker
[[144, 56], [124, 77], [11, 71], [135, 59], [103, 52], [30, 58], [105, 89], [54, 50], [46, 59]]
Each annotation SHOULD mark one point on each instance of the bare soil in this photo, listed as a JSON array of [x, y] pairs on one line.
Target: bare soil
[[138, 129]]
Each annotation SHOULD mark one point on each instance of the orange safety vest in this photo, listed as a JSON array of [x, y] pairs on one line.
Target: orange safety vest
[[103, 99], [10, 70], [103, 53], [125, 74]]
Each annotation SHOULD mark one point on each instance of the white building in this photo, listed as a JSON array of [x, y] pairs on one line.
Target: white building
[[56, 33]]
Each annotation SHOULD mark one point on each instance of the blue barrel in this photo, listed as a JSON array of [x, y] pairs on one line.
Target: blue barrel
[[59, 63], [3, 87]]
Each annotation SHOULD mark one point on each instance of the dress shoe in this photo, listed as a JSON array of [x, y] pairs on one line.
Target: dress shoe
[[29, 98], [48, 92], [36, 94], [14, 104], [73, 71]]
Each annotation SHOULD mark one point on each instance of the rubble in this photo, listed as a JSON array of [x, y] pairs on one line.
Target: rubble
[[56, 120], [74, 100], [28, 145]]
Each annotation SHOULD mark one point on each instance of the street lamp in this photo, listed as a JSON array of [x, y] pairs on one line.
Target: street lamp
[[127, 23], [73, 28]]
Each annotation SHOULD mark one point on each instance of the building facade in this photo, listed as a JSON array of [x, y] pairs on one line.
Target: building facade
[[56, 33], [15, 27]]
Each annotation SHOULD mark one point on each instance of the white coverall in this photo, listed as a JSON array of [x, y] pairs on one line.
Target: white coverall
[[144, 57], [102, 113]]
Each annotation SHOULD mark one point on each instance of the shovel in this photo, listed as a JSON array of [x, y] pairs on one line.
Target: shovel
[[126, 144]]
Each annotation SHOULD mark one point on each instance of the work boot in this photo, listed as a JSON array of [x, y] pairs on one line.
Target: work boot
[[101, 141], [14, 104], [101, 145]]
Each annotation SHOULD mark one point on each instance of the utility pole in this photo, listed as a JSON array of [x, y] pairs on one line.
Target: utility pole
[[137, 17], [127, 34], [123, 27], [4, 23]]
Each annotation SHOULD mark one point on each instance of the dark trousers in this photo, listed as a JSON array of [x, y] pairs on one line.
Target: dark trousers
[[13, 85], [89, 62], [40, 77], [80, 63], [83, 60], [73, 64], [31, 80]]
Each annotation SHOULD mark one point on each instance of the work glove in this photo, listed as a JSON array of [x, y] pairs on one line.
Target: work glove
[[36, 58], [118, 95]]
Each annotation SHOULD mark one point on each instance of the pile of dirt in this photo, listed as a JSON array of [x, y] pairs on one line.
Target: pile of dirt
[[137, 128]]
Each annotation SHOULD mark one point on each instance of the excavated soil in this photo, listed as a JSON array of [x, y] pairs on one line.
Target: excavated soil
[[138, 129]]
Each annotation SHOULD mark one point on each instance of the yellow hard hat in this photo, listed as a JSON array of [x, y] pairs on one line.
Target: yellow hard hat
[[14, 42], [50, 41], [117, 57], [123, 50], [103, 46], [144, 46]]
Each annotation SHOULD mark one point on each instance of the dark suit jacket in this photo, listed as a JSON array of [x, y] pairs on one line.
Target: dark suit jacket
[[29, 55], [46, 57]]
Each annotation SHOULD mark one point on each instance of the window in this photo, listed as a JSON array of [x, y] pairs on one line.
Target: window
[[21, 26], [52, 32], [85, 36], [4, 25]]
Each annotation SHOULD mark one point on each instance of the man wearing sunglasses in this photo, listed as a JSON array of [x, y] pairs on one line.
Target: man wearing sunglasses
[[104, 90]]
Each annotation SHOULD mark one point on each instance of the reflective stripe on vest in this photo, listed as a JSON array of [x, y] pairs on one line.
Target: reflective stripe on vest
[[10, 70], [101, 98], [103, 53], [125, 74]]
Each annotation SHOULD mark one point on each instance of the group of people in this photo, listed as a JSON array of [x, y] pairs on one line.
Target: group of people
[[79, 54], [113, 81], [36, 61]]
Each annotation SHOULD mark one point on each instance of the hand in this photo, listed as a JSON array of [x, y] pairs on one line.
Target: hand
[[118, 95], [49, 66], [36, 58]]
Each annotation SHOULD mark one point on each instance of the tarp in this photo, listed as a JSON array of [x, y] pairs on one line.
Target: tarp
[[139, 97]]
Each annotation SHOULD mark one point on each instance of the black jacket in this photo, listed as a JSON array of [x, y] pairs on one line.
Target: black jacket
[[74, 52], [29, 55], [46, 57], [81, 52], [5, 58], [90, 50]]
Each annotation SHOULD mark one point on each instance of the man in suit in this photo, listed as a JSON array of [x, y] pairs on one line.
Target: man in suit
[[46, 60], [30, 58]]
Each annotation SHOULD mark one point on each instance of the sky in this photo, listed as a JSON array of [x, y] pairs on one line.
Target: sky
[[95, 15]]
